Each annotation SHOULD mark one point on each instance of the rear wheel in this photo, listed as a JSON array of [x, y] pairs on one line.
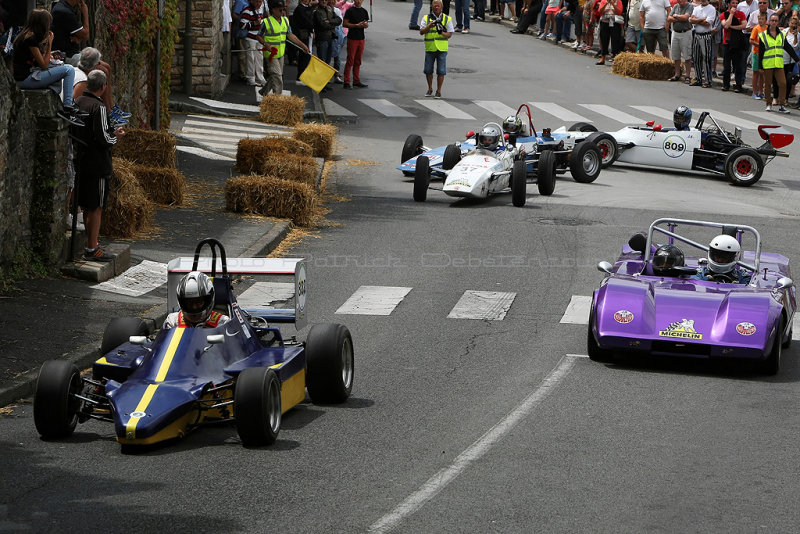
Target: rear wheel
[[257, 406], [609, 150], [585, 163], [772, 364], [546, 173], [329, 356], [422, 179], [412, 147], [119, 330], [519, 183], [55, 406], [744, 166], [452, 155], [582, 127]]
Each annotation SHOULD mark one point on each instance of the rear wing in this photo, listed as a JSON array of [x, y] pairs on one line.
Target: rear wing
[[296, 267]]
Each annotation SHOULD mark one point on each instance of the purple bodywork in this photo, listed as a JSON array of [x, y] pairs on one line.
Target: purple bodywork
[[636, 311]]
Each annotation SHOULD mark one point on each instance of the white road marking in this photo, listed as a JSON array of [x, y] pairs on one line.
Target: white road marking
[[226, 105], [197, 151], [577, 311], [445, 109], [374, 300], [334, 109], [474, 452], [773, 118], [488, 305], [613, 113], [137, 280], [498, 109], [385, 107], [218, 133], [265, 294], [730, 120], [661, 113], [237, 123], [796, 326], [559, 112]]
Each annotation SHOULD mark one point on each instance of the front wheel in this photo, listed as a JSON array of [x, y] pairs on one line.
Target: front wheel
[[596, 354], [119, 330], [546, 173], [452, 155], [519, 183], [609, 150], [422, 178], [331, 364], [582, 127], [411, 148], [257, 406], [55, 404], [772, 364], [744, 166], [585, 162]]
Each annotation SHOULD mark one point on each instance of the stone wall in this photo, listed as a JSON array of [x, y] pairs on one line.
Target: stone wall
[[207, 75]]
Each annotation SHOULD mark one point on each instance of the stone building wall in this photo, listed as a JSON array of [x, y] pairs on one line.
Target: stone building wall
[[207, 76]]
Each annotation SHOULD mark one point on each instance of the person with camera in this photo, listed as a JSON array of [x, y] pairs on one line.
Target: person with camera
[[436, 28]]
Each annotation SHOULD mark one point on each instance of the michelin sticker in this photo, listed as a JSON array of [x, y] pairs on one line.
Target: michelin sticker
[[674, 146], [681, 329]]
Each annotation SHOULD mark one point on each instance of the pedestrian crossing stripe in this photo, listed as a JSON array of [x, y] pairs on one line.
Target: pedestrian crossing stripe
[[577, 311], [221, 135], [373, 300], [445, 109], [498, 109], [137, 280], [769, 118], [386, 108], [226, 105], [559, 112], [613, 113], [483, 305], [197, 151]]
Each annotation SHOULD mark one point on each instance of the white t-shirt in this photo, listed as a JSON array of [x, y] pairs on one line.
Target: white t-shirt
[[752, 19], [80, 76], [226, 17], [746, 8], [655, 13], [708, 12], [794, 41]]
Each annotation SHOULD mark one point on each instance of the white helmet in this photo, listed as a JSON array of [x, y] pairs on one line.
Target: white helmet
[[489, 138], [723, 253], [196, 297]]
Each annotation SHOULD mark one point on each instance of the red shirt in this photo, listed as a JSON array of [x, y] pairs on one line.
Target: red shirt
[[739, 18]]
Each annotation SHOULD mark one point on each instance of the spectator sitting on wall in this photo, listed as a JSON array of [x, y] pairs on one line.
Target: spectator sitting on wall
[[88, 61]]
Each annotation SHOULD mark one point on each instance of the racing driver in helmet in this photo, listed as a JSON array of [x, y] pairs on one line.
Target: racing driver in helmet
[[489, 138], [196, 299], [682, 117], [723, 253], [667, 261]]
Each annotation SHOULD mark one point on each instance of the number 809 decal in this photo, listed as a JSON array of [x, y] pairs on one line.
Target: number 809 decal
[[674, 146]]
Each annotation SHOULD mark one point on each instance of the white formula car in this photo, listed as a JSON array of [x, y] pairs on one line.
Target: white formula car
[[706, 147]]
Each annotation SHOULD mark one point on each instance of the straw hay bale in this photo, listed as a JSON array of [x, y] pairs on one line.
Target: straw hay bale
[[301, 169], [319, 136], [161, 185], [272, 196], [643, 66], [282, 109], [147, 147], [251, 154], [128, 210]]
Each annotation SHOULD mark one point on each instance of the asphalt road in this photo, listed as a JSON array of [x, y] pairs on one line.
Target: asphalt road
[[464, 425]]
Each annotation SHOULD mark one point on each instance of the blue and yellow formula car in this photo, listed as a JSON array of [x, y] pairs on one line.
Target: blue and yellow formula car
[[241, 371]]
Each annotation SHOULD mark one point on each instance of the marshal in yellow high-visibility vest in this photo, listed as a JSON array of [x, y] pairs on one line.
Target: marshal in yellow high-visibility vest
[[275, 35], [435, 41], [773, 50]]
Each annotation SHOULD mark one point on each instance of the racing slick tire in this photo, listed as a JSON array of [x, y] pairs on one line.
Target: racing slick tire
[[788, 343], [519, 183], [422, 178], [257, 406], [609, 149], [585, 163], [452, 155], [582, 127], [772, 364], [55, 406], [546, 173], [119, 330], [412, 147], [330, 361], [744, 166], [596, 354]]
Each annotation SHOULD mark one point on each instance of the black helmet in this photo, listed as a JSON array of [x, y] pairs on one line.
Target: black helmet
[[665, 258], [512, 125], [196, 297], [682, 117]]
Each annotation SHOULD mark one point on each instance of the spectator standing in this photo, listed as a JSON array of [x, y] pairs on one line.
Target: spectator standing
[[93, 162], [227, 22], [32, 58], [716, 30], [462, 15], [70, 27], [413, 24], [564, 20], [501, 7], [303, 28], [792, 35], [553, 7], [764, 9], [239, 35], [338, 43], [785, 12], [734, 47], [653, 20], [589, 22], [325, 23], [577, 18], [437, 28], [633, 32], [15, 13], [758, 75], [772, 43], [356, 20], [681, 46], [276, 30], [607, 12], [702, 21], [479, 10], [250, 20]]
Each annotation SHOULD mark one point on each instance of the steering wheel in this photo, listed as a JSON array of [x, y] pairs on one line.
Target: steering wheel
[[722, 278]]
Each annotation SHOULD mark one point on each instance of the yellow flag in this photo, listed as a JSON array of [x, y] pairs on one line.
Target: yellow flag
[[317, 74]]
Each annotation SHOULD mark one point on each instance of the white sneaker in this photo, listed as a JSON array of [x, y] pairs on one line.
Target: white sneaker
[[768, 108], [576, 45]]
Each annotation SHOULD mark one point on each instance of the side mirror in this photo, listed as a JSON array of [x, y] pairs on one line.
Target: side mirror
[[141, 340], [604, 267], [215, 339], [785, 283]]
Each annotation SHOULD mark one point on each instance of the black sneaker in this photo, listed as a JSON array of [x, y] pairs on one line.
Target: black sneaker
[[347, 86], [415, 27], [359, 84], [97, 254], [72, 115]]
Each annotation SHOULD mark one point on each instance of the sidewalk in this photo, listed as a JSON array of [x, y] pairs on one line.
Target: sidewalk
[[64, 318]]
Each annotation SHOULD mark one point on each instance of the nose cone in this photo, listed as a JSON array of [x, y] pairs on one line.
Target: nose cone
[[149, 413]]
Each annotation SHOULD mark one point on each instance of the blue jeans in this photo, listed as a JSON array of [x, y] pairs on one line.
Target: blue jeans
[[542, 17], [480, 9], [415, 13], [563, 26], [325, 50], [441, 63], [462, 13], [50, 76]]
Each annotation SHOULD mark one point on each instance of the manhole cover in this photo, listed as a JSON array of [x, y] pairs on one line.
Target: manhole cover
[[566, 222]]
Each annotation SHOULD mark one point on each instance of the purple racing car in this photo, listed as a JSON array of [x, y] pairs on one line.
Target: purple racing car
[[654, 300]]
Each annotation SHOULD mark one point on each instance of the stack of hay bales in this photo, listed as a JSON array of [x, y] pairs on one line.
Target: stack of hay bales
[[319, 136], [128, 210], [282, 109], [643, 66], [252, 154]]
